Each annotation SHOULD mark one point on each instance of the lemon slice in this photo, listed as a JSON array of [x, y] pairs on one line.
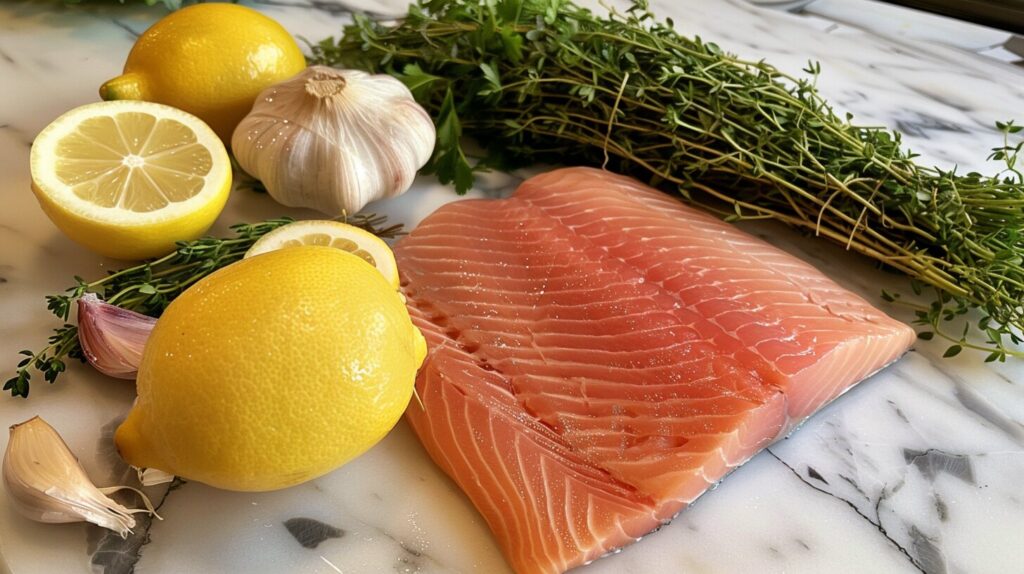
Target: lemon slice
[[128, 179], [327, 233]]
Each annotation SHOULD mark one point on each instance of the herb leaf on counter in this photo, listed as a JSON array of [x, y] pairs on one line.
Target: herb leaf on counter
[[150, 287], [549, 81]]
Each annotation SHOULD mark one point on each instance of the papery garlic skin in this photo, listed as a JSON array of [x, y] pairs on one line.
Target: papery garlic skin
[[334, 140], [153, 476], [112, 338], [45, 483]]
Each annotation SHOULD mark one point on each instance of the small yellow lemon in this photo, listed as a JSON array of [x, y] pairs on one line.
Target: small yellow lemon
[[273, 371], [211, 60], [129, 179]]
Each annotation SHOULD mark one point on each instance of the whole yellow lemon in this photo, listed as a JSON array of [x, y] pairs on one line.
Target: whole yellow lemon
[[210, 60], [273, 371]]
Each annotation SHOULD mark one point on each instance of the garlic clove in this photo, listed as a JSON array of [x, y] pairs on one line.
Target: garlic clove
[[45, 482], [112, 338], [334, 140], [153, 476]]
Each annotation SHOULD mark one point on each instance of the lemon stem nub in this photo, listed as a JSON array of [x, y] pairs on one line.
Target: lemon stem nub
[[124, 87]]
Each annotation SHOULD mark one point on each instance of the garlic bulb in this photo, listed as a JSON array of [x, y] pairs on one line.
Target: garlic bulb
[[112, 338], [334, 140], [45, 482]]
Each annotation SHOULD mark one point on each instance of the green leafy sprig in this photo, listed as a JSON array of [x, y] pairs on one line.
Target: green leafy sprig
[[150, 287], [549, 81]]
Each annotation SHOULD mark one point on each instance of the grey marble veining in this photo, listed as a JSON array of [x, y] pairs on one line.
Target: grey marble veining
[[916, 470]]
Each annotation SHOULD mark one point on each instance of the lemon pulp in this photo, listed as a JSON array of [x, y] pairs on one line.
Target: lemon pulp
[[150, 164]]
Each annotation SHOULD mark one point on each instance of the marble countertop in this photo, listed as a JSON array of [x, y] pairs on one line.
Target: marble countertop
[[917, 470]]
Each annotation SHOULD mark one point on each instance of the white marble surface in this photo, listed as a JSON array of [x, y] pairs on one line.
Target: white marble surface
[[899, 22], [916, 470]]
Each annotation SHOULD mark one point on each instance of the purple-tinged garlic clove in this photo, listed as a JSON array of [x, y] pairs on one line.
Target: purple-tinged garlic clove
[[112, 338]]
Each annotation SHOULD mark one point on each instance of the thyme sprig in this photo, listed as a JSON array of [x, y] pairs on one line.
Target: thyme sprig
[[546, 80], [150, 287]]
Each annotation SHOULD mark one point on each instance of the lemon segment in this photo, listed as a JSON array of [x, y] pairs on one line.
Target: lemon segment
[[272, 371], [326, 233], [129, 179]]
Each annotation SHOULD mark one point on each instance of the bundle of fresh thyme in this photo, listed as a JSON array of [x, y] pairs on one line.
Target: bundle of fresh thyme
[[150, 287], [547, 80]]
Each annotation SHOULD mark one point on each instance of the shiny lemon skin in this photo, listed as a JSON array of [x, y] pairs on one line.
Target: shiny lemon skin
[[210, 60], [273, 371]]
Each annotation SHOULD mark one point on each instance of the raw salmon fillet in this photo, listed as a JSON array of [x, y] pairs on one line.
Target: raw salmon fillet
[[601, 354]]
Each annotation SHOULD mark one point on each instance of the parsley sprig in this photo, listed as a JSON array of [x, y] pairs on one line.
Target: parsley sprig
[[549, 81], [150, 287]]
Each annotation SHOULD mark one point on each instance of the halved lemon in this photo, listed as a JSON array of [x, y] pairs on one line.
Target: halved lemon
[[128, 179], [327, 233]]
